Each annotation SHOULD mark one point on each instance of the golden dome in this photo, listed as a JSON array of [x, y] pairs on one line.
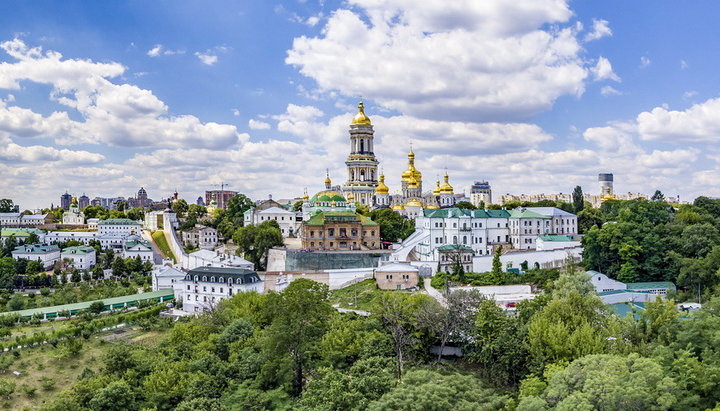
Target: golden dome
[[431, 206], [382, 188], [411, 170], [398, 207], [73, 200], [436, 191], [446, 188], [413, 182], [360, 117], [328, 182], [305, 197], [414, 203], [350, 197]]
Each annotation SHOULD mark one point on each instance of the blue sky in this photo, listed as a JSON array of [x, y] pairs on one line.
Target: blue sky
[[532, 95]]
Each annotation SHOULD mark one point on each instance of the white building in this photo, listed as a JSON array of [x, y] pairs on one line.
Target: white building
[[558, 241], [73, 216], [529, 223], [81, 257], [164, 277], [92, 223], [114, 232], [203, 288], [603, 283], [155, 220], [207, 258], [21, 220], [136, 247], [46, 254], [270, 210], [202, 237], [54, 237]]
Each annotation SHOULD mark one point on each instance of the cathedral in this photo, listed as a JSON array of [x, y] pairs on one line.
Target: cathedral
[[366, 186]]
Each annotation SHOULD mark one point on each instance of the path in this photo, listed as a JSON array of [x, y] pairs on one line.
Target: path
[[434, 293], [158, 255]]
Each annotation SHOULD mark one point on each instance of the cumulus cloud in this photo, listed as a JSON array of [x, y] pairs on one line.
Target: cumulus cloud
[[114, 114], [258, 125], [414, 57], [206, 58], [610, 91], [600, 29], [603, 70], [159, 50], [699, 123]]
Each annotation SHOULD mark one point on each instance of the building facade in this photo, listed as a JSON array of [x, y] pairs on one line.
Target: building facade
[[220, 197], [73, 216], [202, 237], [136, 247], [481, 194], [81, 257], [203, 288], [452, 256], [207, 258], [396, 276], [335, 231], [267, 210], [361, 163], [45, 254]]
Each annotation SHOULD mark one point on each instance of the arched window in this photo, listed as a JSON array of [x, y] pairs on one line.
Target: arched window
[[212, 279], [196, 278], [230, 281], [204, 278], [222, 280], [362, 145]]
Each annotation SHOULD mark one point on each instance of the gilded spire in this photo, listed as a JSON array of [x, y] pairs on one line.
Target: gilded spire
[[446, 188], [436, 191], [360, 117], [328, 182], [411, 170]]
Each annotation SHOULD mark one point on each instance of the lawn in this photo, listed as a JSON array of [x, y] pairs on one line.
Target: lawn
[[46, 371], [160, 240], [358, 296]]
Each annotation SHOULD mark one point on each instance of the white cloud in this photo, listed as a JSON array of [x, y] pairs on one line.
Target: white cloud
[[258, 125], [235, 112], [644, 61], [159, 49], [699, 123], [115, 114], [610, 91], [689, 94], [683, 65], [155, 51], [207, 59], [603, 70], [600, 29], [415, 57]]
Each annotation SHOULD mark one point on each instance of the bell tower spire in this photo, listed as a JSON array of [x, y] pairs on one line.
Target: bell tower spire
[[361, 163]]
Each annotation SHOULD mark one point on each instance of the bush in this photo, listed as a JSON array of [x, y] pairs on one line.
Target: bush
[[47, 383], [29, 390]]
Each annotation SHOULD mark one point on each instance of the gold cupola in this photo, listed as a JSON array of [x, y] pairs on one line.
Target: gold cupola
[[328, 182], [436, 191], [446, 188], [360, 117], [382, 188], [411, 170], [350, 197], [413, 182], [414, 203]]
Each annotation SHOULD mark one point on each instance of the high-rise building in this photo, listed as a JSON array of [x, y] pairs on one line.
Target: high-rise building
[[200, 201], [142, 198], [606, 185], [361, 163], [221, 197], [65, 200], [83, 201], [480, 192]]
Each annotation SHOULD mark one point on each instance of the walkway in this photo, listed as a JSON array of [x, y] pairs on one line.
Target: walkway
[[434, 293]]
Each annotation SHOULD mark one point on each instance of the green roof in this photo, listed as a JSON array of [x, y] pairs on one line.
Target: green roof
[[118, 221], [525, 213], [7, 233], [114, 302], [79, 249], [131, 244], [328, 195], [20, 232], [453, 247], [612, 292], [463, 212], [625, 309], [653, 285], [319, 218], [36, 248], [555, 237]]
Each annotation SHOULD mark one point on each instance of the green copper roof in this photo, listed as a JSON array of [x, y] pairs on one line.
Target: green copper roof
[[131, 244], [464, 212], [555, 237], [453, 247], [80, 249], [118, 221], [328, 195], [655, 285], [524, 213]]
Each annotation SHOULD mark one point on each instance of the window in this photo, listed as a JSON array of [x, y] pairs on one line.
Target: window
[[204, 278], [204, 289], [188, 288]]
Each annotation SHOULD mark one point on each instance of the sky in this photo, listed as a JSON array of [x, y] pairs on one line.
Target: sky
[[534, 96]]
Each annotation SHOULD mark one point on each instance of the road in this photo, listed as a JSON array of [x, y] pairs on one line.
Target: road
[[157, 254]]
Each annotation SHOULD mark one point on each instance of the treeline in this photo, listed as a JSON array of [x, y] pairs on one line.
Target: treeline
[[643, 240]]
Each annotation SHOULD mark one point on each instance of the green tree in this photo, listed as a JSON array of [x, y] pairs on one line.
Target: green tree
[[297, 206], [34, 267], [497, 272], [96, 307], [608, 382], [32, 239], [121, 205], [255, 241], [236, 208], [393, 226], [465, 205], [300, 318], [6, 205], [578, 200], [116, 396], [431, 390], [137, 214], [589, 217], [657, 196], [118, 267], [7, 272], [180, 207]]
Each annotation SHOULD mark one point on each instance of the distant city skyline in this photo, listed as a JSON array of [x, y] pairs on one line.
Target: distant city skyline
[[532, 96]]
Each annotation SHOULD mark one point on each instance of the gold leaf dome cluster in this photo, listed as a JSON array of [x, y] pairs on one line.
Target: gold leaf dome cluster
[[411, 170], [446, 188], [414, 203]]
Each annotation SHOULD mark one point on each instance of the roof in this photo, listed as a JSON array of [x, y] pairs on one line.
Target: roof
[[238, 275], [623, 291], [25, 230], [168, 271], [79, 249], [625, 309], [654, 285], [118, 221], [222, 258], [135, 243], [396, 267], [275, 210], [15, 215], [16, 233], [556, 237], [464, 212], [36, 249], [163, 294], [320, 218], [328, 195], [453, 247], [551, 211], [526, 213]]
